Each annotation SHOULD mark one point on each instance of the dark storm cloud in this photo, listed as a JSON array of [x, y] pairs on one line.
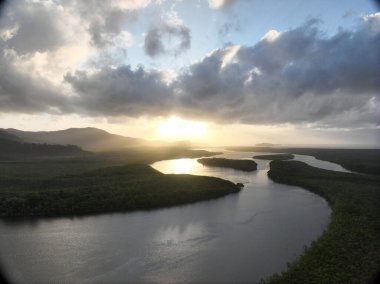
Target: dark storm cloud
[[167, 39], [121, 91]]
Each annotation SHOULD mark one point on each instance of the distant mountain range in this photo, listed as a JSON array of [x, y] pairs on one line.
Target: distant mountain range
[[266, 145], [4, 135], [89, 138], [12, 145]]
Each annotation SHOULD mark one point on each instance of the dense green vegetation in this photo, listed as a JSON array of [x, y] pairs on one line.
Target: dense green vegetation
[[243, 165], [12, 148], [30, 169], [100, 182], [349, 250], [109, 189], [274, 157], [358, 160]]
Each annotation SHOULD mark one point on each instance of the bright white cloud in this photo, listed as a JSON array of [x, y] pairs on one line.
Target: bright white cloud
[[271, 36], [218, 4]]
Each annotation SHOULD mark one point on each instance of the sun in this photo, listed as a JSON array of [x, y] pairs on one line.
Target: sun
[[177, 128]]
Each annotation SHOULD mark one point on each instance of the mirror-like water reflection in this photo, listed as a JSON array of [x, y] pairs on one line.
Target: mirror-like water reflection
[[242, 237]]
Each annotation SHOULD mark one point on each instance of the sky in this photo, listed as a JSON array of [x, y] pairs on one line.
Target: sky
[[226, 72]]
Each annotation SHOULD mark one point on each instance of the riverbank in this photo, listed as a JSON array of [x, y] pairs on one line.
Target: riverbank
[[349, 250], [242, 165]]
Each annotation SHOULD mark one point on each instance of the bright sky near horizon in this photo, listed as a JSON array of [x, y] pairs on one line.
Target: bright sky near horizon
[[216, 71]]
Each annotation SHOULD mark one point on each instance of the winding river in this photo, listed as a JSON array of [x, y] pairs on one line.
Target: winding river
[[243, 237]]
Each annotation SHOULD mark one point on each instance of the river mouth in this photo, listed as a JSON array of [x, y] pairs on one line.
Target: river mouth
[[243, 237]]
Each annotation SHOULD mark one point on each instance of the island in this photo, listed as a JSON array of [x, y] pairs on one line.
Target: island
[[274, 157], [242, 165]]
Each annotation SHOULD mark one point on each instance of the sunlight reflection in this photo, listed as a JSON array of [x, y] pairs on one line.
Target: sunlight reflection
[[182, 166], [192, 232]]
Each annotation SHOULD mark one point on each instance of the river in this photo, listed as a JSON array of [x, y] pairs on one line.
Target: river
[[243, 237]]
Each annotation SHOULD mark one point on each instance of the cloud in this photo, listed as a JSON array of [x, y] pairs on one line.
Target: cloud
[[106, 19], [298, 76], [221, 4], [121, 91], [167, 39], [33, 27], [27, 93]]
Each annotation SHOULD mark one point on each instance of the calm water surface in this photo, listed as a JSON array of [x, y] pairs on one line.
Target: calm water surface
[[243, 237]]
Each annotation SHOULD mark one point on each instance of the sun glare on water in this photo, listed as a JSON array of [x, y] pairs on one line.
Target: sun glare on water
[[182, 166], [178, 128]]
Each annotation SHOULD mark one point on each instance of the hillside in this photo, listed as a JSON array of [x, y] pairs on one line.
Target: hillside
[[11, 148], [4, 135], [87, 138]]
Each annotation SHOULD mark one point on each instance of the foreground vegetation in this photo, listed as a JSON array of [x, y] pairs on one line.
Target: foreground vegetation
[[349, 250], [358, 160], [242, 165], [274, 157], [100, 182], [110, 189]]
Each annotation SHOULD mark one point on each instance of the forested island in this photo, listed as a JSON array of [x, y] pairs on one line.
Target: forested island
[[274, 157], [242, 165]]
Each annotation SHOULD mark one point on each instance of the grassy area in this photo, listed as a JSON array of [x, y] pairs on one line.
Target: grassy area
[[349, 250], [365, 161], [243, 165], [111, 189], [274, 157]]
